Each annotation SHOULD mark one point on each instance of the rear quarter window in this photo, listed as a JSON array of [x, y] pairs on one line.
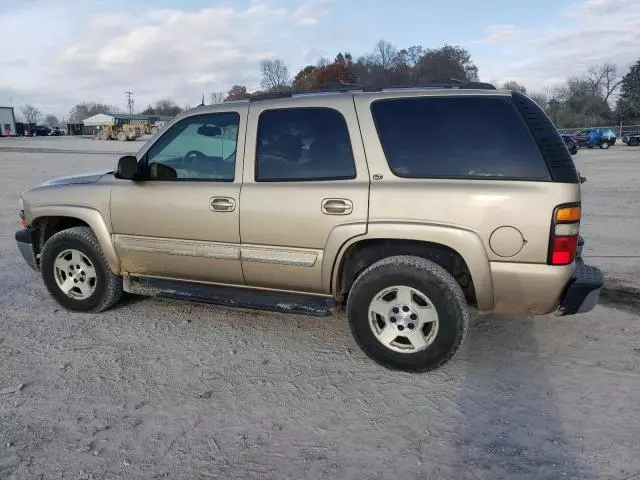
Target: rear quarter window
[[457, 137]]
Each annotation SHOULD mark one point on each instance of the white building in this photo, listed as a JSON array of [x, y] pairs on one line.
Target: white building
[[7, 122]]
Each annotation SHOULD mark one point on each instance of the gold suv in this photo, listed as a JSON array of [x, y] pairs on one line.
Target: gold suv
[[410, 207]]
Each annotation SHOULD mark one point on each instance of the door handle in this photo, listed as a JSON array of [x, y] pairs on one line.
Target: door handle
[[337, 206], [222, 204]]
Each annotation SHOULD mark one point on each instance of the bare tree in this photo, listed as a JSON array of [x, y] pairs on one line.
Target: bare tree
[[514, 86], [604, 79], [541, 98], [217, 97], [51, 120], [165, 107], [85, 110], [275, 75], [31, 113], [385, 54]]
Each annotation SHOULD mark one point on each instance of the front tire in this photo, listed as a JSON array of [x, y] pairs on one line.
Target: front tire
[[407, 313], [604, 145], [76, 273]]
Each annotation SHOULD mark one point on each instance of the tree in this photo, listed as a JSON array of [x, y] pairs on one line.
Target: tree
[[540, 98], [385, 55], [447, 63], [237, 92], [629, 101], [163, 107], [51, 120], [31, 113], [275, 75], [305, 79], [604, 80], [514, 86], [216, 97], [85, 110]]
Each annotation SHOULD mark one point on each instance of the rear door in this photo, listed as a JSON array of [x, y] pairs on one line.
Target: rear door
[[305, 186]]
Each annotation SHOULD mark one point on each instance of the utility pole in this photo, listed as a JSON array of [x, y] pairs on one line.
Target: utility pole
[[130, 102]]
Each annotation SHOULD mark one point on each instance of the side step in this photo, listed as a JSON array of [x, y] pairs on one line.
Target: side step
[[230, 296]]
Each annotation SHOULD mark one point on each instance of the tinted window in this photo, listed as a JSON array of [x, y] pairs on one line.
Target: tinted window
[[457, 137], [197, 148], [303, 144]]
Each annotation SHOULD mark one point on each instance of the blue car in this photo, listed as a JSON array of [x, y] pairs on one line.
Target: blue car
[[595, 137]]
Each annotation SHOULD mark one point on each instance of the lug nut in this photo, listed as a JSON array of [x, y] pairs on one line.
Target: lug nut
[[405, 308], [400, 327], [395, 310], [393, 319], [413, 316], [411, 326]]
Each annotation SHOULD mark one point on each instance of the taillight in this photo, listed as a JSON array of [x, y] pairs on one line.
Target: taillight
[[565, 228]]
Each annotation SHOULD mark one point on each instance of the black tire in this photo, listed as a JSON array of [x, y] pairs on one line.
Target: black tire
[[108, 290], [605, 145], [430, 279]]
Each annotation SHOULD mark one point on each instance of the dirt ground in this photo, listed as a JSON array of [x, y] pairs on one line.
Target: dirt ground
[[163, 389]]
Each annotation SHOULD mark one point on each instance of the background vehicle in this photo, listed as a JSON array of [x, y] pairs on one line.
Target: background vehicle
[[55, 132], [631, 139], [571, 143], [340, 206], [119, 131], [40, 131], [603, 138]]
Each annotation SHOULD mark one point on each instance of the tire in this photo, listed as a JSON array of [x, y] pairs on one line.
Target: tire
[[424, 279], [106, 290], [122, 137], [604, 145]]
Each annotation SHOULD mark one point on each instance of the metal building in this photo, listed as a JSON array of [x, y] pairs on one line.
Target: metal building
[[7, 122]]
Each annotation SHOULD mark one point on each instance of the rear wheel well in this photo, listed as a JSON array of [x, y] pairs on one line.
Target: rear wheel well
[[365, 253], [48, 226]]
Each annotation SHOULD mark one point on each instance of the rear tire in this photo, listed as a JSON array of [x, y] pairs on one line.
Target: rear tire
[[95, 288], [604, 145], [425, 331]]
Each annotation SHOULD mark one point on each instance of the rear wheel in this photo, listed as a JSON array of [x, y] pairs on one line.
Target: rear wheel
[[76, 273], [407, 313], [604, 145]]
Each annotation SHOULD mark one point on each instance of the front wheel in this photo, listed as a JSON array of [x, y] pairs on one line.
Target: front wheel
[[604, 145], [407, 313], [76, 273]]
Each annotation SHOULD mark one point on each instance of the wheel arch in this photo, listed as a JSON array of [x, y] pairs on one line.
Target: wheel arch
[[459, 251], [50, 219]]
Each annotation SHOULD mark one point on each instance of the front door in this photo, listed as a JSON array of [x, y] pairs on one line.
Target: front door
[[182, 220], [305, 191]]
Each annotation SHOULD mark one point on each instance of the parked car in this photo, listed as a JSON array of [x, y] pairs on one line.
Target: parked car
[[631, 139], [595, 137], [40, 131], [345, 203], [571, 144]]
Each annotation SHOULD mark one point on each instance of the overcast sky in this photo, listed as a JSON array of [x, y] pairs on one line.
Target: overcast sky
[[56, 53]]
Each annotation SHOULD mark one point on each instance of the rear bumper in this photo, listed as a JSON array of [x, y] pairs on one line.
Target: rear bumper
[[24, 239], [583, 290]]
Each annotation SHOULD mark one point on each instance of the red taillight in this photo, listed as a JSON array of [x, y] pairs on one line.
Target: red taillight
[[564, 250], [565, 226]]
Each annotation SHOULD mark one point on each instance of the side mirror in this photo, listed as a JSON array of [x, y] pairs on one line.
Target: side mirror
[[209, 131], [127, 168]]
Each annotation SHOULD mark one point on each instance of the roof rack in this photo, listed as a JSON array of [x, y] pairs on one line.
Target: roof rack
[[351, 87]]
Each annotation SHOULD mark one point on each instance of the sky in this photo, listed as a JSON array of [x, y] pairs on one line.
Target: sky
[[57, 53]]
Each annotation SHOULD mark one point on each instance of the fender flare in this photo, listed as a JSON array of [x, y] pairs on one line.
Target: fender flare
[[91, 217], [465, 242]]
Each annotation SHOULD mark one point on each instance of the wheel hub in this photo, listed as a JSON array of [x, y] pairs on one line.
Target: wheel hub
[[403, 317]]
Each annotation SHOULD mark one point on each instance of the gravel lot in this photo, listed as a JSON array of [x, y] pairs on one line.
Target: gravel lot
[[164, 389]]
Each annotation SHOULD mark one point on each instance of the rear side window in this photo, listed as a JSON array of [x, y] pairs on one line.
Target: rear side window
[[457, 137], [303, 144]]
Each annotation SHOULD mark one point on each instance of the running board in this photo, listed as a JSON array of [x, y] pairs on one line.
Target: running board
[[230, 296]]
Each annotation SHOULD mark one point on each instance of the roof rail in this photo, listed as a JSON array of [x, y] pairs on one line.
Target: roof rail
[[350, 87]]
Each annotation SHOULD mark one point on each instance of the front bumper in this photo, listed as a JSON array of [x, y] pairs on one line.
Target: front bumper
[[24, 239], [583, 290]]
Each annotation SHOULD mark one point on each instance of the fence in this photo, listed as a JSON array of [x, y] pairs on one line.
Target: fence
[[619, 130]]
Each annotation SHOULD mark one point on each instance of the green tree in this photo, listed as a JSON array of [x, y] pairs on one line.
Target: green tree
[[628, 106]]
